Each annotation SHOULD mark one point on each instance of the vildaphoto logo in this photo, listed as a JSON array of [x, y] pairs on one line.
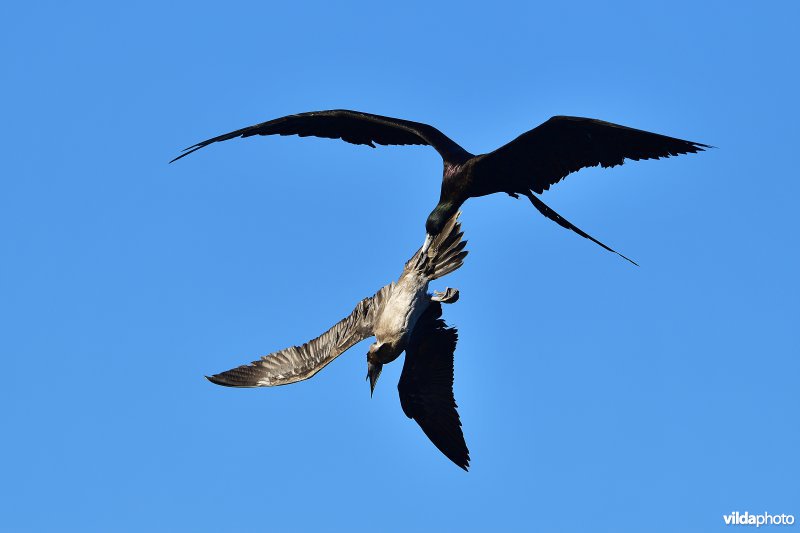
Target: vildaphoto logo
[[746, 519]]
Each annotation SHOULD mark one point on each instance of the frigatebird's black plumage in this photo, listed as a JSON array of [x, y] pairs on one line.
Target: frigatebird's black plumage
[[526, 166]]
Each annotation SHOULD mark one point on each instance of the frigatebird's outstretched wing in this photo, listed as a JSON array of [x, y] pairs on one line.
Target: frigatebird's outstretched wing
[[302, 362], [426, 385], [548, 153], [350, 126]]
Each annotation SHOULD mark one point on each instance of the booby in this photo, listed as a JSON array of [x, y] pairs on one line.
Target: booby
[[402, 316], [526, 166]]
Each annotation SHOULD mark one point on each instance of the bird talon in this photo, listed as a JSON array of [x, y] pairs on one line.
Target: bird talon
[[449, 296]]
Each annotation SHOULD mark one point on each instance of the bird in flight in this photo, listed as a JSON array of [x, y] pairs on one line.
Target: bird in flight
[[402, 316], [526, 166]]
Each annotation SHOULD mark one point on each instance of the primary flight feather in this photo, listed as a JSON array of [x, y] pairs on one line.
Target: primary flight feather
[[526, 166], [402, 316]]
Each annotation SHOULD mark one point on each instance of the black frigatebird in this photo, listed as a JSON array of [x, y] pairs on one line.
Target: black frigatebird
[[526, 166]]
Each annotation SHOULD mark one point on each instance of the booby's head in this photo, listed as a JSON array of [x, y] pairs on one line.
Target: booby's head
[[374, 364], [438, 218]]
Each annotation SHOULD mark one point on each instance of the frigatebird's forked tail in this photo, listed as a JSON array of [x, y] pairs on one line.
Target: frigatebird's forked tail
[[548, 153], [547, 211], [531, 163]]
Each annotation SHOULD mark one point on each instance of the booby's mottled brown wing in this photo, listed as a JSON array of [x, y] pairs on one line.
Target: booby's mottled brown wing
[[426, 385], [302, 362], [548, 153], [350, 126]]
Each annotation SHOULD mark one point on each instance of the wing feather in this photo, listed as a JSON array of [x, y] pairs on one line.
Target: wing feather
[[298, 363], [426, 385], [548, 153], [353, 127]]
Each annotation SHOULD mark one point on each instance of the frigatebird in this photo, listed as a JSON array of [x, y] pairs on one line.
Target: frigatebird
[[402, 316], [526, 166]]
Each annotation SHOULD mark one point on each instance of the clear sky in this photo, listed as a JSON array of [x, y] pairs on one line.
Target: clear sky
[[595, 396]]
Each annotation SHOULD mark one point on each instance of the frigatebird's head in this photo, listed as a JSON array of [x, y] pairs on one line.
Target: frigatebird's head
[[439, 217], [375, 356]]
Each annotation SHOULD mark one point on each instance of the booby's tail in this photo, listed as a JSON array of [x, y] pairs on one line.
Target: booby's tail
[[444, 254]]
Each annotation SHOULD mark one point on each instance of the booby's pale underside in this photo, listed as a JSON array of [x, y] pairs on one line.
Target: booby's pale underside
[[402, 316], [526, 166]]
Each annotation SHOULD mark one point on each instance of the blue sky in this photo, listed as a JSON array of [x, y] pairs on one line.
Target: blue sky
[[594, 395]]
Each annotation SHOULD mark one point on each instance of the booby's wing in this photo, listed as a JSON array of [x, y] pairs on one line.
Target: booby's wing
[[426, 385], [302, 362], [350, 126], [548, 153]]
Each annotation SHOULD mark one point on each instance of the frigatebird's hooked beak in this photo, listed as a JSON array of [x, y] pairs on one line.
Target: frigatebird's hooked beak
[[426, 244]]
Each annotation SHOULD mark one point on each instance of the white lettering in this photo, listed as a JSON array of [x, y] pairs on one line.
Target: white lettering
[[758, 520]]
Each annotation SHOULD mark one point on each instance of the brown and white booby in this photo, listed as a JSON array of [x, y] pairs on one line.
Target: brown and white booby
[[402, 316]]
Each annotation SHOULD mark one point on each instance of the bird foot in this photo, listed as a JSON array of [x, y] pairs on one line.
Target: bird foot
[[449, 296]]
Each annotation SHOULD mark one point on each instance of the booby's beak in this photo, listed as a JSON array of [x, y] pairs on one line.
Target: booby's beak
[[373, 372]]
